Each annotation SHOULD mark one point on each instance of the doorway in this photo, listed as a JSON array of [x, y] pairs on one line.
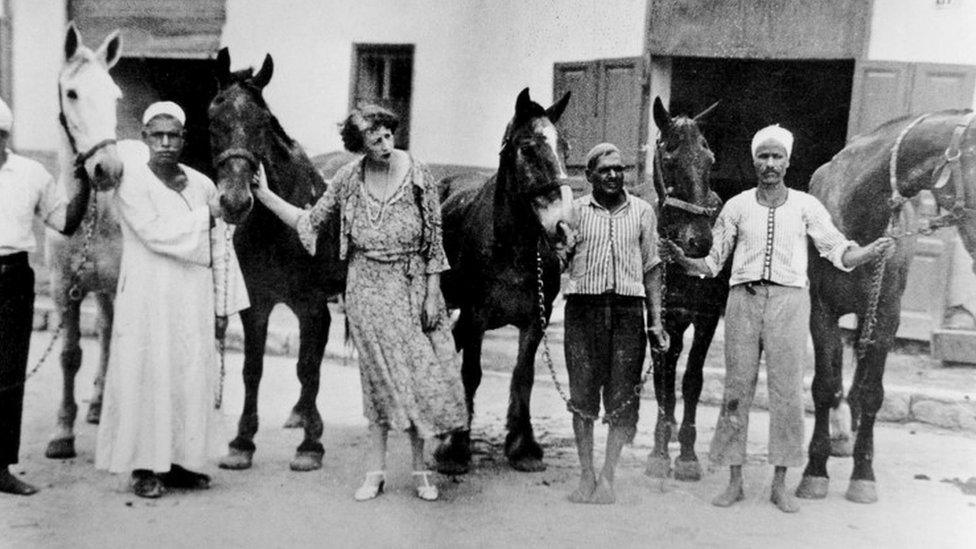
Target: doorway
[[188, 82], [812, 99]]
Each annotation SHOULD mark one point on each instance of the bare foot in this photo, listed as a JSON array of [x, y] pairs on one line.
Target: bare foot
[[731, 495], [585, 491], [603, 495], [10, 484], [783, 500]]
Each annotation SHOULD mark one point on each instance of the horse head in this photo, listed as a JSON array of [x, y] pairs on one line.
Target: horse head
[[531, 163], [683, 162], [87, 96], [239, 118]]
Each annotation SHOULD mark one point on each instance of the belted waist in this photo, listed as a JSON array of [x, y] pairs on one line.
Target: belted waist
[[750, 286]]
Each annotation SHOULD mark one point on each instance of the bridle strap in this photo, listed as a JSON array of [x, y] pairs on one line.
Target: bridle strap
[[80, 158], [666, 201], [671, 202], [236, 152]]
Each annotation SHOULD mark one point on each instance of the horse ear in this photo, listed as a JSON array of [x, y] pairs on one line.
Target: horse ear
[[556, 110], [523, 105], [661, 115], [72, 41], [222, 67], [263, 76], [111, 49], [705, 112]]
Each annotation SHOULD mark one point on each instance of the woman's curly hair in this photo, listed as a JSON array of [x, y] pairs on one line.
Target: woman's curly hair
[[365, 118]]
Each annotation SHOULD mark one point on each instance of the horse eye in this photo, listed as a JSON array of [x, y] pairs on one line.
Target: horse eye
[[72, 95], [704, 144]]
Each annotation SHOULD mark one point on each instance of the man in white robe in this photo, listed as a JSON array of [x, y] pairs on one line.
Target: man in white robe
[[158, 420]]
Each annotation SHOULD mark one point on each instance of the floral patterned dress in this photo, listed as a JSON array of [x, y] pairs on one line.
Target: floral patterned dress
[[410, 378]]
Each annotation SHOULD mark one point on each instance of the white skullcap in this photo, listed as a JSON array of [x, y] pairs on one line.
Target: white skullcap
[[167, 108], [776, 134], [599, 151], [6, 117]]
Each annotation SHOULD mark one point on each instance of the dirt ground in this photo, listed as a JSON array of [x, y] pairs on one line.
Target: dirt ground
[[926, 482]]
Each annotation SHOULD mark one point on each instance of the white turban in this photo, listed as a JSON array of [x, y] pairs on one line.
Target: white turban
[[166, 108], [6, 117], [776, 134]]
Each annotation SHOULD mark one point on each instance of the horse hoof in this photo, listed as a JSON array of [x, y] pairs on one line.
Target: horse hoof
[[813, 487], [528, 464], [294, 421], [306, 461], [236, 460], [453, 455], [841, 446], [687, 470], [94, 413], [861, 491], [658, 466], [61, 448]]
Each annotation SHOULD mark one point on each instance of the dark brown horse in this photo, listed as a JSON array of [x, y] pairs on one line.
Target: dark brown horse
[[687, 209], [857, 188], [276, 268], [499, 233]]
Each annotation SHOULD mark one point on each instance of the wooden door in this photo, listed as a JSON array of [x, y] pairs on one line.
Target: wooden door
[[620, 81], [881, 92], [576, 124]]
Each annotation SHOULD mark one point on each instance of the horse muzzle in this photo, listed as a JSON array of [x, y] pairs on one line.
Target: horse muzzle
[[556, 214], [104, 167], [236, 210]]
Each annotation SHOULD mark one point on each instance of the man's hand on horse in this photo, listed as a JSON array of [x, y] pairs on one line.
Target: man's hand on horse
[[220, 326], [658, 338], [670, 251]]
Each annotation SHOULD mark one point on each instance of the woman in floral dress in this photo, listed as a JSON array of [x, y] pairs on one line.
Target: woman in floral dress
[[390, 231]]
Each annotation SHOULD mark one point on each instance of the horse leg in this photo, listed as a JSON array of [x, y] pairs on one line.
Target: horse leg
[[314, 321], [62, 444], [521, 448], [106, 314], [686, 465], [867, 392], [659, 460], [255, 323], [828, 361], [453, 455]]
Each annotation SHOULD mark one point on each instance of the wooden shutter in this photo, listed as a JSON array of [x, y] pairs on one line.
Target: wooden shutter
[[880, 93], [938, 87], [620, 105], [576, 125]]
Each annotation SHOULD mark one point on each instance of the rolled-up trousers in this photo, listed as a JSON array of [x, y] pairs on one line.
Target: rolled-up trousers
[[772, 320], [16, 314]]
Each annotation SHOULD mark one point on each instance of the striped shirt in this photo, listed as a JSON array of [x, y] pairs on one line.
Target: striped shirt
[[771, 243], [613, 249]]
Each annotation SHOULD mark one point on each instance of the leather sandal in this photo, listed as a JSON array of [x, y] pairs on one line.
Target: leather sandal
[[371, 489], [426, 491]]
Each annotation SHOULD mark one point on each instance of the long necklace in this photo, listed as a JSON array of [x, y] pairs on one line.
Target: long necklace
[[376, 220]]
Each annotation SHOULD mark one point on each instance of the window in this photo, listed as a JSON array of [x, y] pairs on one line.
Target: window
[[383, 75]]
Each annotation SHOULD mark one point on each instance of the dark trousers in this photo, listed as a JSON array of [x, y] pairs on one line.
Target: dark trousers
[[16, 318], [605, 346]]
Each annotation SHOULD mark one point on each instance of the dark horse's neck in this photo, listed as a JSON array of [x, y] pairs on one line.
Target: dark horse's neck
[[920, 152], [516, 228], [290, 172]]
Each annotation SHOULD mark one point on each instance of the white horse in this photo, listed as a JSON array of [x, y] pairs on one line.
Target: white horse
[[87, 262]]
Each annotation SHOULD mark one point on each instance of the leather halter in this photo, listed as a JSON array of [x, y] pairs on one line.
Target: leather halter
[[665, 201], [236, 152], [80, 157], [949, 168]]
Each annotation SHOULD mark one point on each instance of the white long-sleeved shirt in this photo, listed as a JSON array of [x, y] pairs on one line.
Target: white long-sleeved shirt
[[26, 191], [771, 243]]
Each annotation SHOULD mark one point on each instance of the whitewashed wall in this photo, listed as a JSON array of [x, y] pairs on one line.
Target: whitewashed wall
[[924, 31], [38, 48], [471, 59]]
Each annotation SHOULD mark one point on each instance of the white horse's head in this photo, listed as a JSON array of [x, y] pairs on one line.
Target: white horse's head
[[88, 97]]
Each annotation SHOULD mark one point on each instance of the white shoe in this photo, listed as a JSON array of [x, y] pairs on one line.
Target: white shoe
[[426, 491], [372, 486]]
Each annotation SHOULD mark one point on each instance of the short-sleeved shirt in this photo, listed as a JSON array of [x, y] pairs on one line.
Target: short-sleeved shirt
[[614, 249], [771, 243], [27, 191]]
